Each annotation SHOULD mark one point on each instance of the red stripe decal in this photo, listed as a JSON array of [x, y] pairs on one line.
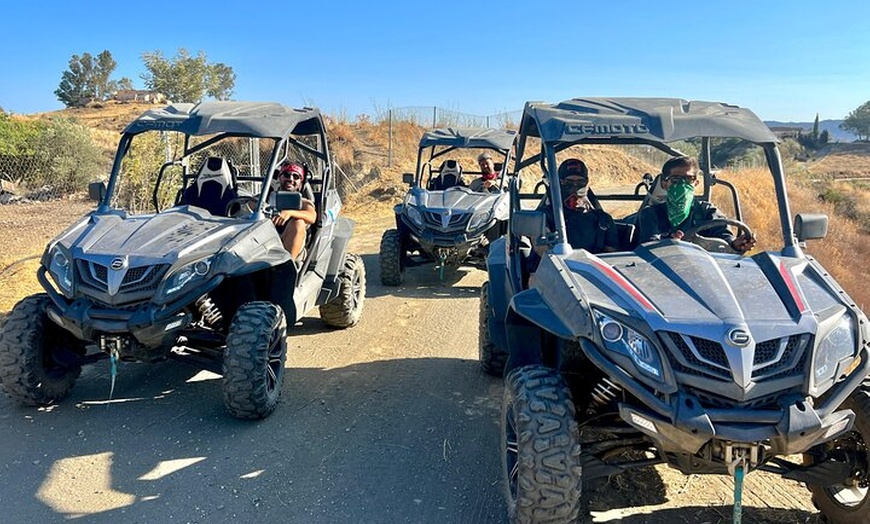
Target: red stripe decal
[[792, 287], [622, 282]]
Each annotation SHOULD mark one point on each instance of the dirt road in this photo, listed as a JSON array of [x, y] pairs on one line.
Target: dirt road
[[389, 422]]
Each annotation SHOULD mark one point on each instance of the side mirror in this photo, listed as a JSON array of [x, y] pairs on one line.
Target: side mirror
[[528, 223], [97, 191], [408, 178], [810, 226], [288, 200]]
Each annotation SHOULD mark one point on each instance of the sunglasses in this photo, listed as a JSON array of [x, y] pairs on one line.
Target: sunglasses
[[680, 178], [292, 176]]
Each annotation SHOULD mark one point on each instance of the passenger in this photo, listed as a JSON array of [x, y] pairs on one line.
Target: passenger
[[587, 225], [682, 210], [292, 224], [488, 180]]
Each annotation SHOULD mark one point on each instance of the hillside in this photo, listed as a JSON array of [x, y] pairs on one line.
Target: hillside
[[831, 126]]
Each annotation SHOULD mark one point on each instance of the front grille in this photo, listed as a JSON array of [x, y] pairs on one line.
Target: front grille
[[710, 350], [692, 365], [790, 363], [137, 279], [457, 221]]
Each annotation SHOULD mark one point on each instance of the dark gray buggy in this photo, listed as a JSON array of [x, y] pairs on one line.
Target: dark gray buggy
[[203, 277], [669, 351], [442, 218]]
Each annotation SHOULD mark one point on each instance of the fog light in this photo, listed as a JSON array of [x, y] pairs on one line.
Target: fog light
[[637, 420]]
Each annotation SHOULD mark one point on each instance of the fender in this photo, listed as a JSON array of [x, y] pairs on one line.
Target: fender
[[343, 231]]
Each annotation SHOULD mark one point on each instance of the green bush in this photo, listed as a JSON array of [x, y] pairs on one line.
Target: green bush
[[69, 157], [58, 155]]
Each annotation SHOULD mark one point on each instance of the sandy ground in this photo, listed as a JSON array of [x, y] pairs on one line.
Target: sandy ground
[[390, 421]]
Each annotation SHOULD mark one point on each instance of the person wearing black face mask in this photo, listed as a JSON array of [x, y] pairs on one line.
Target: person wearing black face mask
[[587, 226]]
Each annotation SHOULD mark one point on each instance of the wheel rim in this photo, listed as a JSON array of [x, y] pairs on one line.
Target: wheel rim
[[356, 290], [853, 493], [511, 454], [275, 366]]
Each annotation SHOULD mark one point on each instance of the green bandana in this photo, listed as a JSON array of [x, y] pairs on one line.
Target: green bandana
[[680, 198]]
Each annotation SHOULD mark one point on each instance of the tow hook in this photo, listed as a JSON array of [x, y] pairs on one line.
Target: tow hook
[[113, 345]]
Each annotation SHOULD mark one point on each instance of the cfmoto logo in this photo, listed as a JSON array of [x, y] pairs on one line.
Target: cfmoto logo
[[739, 337], [118, 264]]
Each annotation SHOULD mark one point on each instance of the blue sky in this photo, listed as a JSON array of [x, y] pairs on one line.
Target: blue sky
[[784, 60]]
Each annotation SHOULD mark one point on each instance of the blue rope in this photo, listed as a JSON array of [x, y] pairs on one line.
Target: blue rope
[[113, 358], [738, 494]]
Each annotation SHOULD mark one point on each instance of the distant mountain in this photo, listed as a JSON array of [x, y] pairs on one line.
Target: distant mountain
[[833, 127]]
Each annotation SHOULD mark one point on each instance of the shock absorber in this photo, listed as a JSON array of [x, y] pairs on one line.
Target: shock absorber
[[603, 393], [209, 311]]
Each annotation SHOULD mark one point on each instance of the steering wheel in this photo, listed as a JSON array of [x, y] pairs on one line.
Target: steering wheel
[[240, 206], [717, 245]]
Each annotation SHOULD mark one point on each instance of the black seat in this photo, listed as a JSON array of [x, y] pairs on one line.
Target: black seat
[[213, 187]]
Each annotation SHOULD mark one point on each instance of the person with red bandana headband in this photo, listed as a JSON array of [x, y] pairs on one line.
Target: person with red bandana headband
[[488, 180], [292, 224]]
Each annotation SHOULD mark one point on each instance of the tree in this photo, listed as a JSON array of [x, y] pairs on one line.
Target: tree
[[125, 83], [858, 122], [87, 79], [816, 128], [186, 78]]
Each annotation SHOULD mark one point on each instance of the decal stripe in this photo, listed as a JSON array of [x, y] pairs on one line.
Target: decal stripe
[[622, 282], [792, 287]]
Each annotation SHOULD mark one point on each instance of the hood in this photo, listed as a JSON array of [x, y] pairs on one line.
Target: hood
[[163, 237], [457, 199]]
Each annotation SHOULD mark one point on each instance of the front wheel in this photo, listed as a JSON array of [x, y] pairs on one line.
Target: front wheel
[[390, 258], [346, 308], [492, 357], [254, 358], [39, 361], [847, 503], [540, 448]]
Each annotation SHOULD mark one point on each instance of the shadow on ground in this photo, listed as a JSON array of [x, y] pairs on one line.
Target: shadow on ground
[[422, 281]]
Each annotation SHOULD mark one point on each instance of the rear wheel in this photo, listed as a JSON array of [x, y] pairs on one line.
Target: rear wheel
[[390, 258], [346, 308], [39, 361], [492, 357], [540, 448], [254, 358], [848, 503]]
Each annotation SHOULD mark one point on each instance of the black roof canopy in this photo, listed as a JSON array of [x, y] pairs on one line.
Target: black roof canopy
[[643, 119], [257, 119], [470, 137]]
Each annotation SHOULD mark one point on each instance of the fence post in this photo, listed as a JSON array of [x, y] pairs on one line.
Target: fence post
[[390, 146], [434, 117], [487, 121]]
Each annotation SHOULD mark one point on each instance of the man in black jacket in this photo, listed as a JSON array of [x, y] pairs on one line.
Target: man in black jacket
[[682, 210]]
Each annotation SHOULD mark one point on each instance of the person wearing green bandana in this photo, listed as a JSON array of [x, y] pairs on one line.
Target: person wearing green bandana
[[681, 210]]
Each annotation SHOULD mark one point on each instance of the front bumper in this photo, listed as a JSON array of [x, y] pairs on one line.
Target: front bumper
[[150, 325], [684, 425]]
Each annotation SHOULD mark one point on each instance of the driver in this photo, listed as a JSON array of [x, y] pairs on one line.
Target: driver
[[681, 210], [292, 224], [488, 180]]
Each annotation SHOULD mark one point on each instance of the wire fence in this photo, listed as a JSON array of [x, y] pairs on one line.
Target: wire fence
[[433, 116]]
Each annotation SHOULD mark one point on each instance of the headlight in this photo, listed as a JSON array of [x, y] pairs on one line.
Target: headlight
[[193, 272], [414, 215], [837, 345], [622, 339], [60, 267], [479, 219]]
